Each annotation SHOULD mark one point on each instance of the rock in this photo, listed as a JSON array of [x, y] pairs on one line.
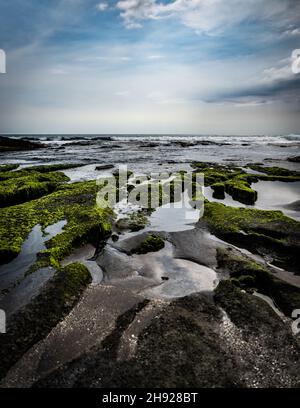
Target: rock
[[294, 159], [151, 144], [267, 233], [115, 237], [248, 274], [135, 222], [105, 167], [295, 206], [62, 293], [185, 342], [152, 243], [219, 190], [7, 144]]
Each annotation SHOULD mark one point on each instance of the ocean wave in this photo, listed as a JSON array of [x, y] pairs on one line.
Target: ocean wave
[[292, 137]]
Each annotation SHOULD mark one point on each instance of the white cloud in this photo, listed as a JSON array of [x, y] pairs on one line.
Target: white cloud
[[209, 16], [292, 32], [102, 6], [279, 72], [155, 57]]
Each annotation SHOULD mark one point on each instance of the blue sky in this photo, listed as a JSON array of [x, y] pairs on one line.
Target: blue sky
[[148, 66]]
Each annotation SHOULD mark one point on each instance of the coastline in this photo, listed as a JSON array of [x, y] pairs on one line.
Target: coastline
[[189, 287]]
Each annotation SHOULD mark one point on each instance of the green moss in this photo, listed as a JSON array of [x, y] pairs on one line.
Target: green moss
[[232, 180], [217, 173], [152, 243], [8, 167], [46, 171], [75, 203], [135, 222], [265, 232], [54, 167], [16, 190], [235, 263], [246, 273], [275, 173], [240, 190], [224, 219], [35, 321]]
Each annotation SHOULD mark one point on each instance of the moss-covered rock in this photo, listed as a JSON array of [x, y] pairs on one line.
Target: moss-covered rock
[[20, 189], [230, 179], [275, 171], [152, 243], [47, 168], [35, 321], [135, 222], [240, 190], [218, 190], [8, 167], [247, 274], [265, 232], [75, 203], [189, 344], [8, 144]]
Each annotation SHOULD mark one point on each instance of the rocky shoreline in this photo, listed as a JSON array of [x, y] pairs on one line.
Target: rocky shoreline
[[170, 309]]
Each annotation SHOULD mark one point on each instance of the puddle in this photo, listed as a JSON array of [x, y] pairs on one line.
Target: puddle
[[87, 172], [28, 289], [95, 271], [156, 275], [179, 216], [272, 195], [276, 195], [208, 193], [184, 277], [84, 255], [35, 242], [250, 171], [270, 302]]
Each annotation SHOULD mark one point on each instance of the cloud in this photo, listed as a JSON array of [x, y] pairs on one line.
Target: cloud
[[134, 11], [102, 6], [210, 16], [291, 32], [155, 57], [279, 72]]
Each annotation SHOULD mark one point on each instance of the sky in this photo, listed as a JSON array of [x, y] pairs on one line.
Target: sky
[[150, 66]]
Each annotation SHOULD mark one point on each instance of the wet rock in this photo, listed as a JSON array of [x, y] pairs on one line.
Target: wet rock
[[295, 206], [105, 167], [218, 190], [7, 144], [35, 321], [135, 222], [248, 274], [115, 237], [152, 243], [294, 159], [268, 233], [185, 342]]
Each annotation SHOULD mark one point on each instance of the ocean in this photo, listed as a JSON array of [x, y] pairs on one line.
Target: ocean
[[156, 153]]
